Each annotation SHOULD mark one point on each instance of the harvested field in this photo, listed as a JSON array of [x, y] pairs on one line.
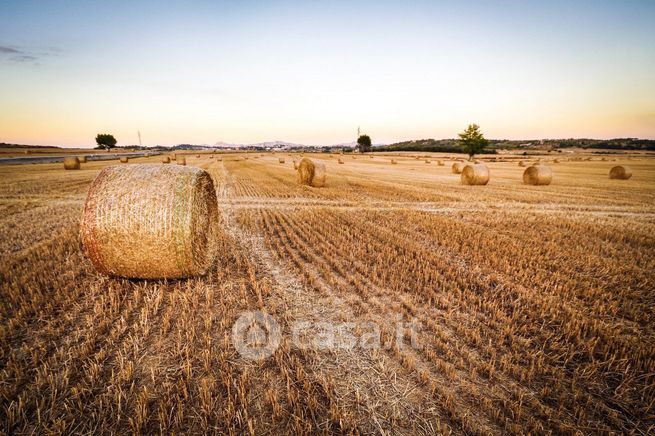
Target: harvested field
[[535, 304]]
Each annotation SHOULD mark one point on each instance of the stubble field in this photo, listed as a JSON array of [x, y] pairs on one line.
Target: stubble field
[[536, 304]]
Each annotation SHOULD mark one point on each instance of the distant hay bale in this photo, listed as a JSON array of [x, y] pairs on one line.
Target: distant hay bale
[[371, 156], [521, 163], [340, 161], [124, 159], [393, 162], [620, 172], [475, 174], [211, 157], [173, 156], [477, 161], [538, 175], [82, 159], [26, 152], [457, 167], [604, 159], [556, 161], [71, 163], [440, 163], [295, 165], [197, 156], [311, 173], [165, 159], [281, 160], [181, 161], [427, 161], [150, 221]]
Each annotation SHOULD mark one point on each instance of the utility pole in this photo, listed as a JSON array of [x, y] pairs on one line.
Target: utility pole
[[139, 133]]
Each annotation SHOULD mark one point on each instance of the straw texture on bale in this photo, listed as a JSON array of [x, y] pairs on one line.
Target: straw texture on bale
[[165, 159], [124, 159], [457, 167], [311, 173], [82, 159], [281, 160], [71, 163], [475, 174], [620, 172], [181, 161], [538, 175], [150, 221]]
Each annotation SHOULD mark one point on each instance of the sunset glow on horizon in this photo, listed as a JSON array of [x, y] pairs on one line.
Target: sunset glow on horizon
[[311, 72]]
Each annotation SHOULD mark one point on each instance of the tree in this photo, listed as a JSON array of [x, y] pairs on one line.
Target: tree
[[472, 141], [364, 143], [105, 140]]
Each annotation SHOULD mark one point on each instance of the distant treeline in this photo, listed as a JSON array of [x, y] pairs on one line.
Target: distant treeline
[[425, 145], [452, 145]]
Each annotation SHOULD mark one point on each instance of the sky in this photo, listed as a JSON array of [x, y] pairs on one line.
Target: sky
[[311, 72]]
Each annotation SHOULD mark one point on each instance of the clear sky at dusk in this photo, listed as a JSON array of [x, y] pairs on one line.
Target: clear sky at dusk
[[311, 72]]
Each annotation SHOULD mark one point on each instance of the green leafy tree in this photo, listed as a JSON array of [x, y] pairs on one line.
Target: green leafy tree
[[105, 140], [364, 143], [472, 141]]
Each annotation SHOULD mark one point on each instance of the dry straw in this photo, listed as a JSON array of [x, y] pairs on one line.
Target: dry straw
[[150, 221], [124, 159], [311, 173], [82, 159], [620, 172], [475, 174], [538, 175], [181, 161], [457, 167], [281, 160], [71, 163], [165, 159]]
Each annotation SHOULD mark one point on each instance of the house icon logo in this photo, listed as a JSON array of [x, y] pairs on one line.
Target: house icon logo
[[256, 335]]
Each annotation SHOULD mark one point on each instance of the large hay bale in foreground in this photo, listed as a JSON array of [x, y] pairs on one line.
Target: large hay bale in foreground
[[82, 159], [620, 172], [181, 161], [124, 159], [457, 168], [71, 163], [475, 174], [150, 221], [165, 159], [311, 173], [537, 175]]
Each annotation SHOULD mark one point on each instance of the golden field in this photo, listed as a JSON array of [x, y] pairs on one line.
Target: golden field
[[536, 303]]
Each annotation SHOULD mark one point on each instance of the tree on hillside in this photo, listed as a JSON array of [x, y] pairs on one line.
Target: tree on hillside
[[472, 141], [364, 143], [105, 140]]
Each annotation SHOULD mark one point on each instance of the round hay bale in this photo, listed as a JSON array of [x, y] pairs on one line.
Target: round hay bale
[[521, 163], [538, 175], [427, 161], [281, 160], [150, 221], [457, 167], [82, 159], [211, 157], [181, 161], [340, 161], [295, 165], [311, 173], [371, 156], [124, 159], [173, 156], [165, 159], [475, 174], [71, 163], [620, 172], [555, 160], [197, 156], [393, 162], [477, 161], [440, 163]]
